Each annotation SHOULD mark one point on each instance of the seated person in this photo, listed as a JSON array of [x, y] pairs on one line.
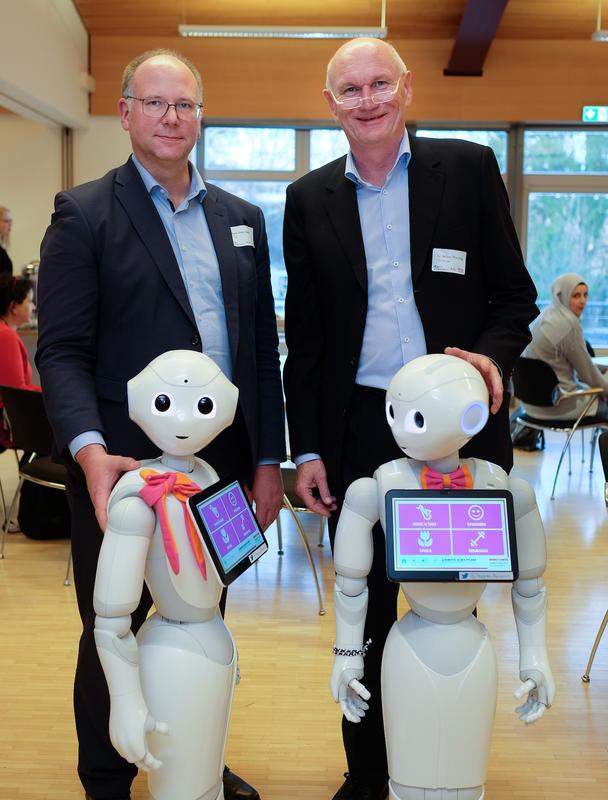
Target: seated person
[[43, 512], [16, 308], [558, 340]]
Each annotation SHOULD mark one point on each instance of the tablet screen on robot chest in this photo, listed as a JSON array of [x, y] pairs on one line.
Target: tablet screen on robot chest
[[450, 535], [232, 535]]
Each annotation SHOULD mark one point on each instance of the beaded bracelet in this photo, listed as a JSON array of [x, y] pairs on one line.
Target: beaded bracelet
[[340, 651]]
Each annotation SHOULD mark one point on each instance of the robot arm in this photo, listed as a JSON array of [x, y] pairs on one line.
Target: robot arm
[[118, 587], [353, 554], [530, 607]]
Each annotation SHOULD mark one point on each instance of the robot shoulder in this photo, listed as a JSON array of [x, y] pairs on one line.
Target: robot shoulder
[[487, 475]]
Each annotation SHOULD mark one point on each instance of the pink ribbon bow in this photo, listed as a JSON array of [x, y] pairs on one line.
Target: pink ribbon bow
[[460, 478], [154, 493]]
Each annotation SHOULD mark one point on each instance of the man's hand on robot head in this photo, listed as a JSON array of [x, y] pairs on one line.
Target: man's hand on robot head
[[536, 702], [489, 372]]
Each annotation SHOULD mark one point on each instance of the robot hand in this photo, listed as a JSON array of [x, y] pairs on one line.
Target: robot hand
[[346, 688], [539, 686], [129, 725]]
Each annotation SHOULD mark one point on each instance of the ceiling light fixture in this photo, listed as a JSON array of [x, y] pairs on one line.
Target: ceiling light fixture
[[599, 35], [287, 31]]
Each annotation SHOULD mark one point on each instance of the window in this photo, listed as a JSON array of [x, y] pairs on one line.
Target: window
[[258, 163], [497, 140], [565, 152], [566, 216]]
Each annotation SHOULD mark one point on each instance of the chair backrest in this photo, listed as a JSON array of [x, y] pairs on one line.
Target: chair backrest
[[30, 428], [535, 382]]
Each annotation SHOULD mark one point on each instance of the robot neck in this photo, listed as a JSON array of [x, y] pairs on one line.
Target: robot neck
[[177, 463], [446, 464]]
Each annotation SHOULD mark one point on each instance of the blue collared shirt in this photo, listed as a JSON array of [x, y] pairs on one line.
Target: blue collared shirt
[[188, 232], [393, 329]]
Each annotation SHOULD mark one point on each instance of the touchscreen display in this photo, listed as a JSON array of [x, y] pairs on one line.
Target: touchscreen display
[[457, 537], [233, 530]]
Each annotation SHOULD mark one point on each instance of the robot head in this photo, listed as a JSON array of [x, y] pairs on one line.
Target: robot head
[[434, 405], [181, 401]]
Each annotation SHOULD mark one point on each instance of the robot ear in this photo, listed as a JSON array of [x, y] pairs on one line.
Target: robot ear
[[474, 417]]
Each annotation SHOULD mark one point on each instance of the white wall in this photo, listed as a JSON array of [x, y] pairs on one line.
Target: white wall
[[102, 146], [44, 61], [30, 176]]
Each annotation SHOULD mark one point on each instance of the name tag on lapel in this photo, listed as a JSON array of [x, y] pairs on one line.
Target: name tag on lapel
[[242, 236], [449, 260]]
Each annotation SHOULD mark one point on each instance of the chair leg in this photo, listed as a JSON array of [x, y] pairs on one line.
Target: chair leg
[[280, 534], [308, 553], [321, 532], [66, 580], [598, 637], [9, 516], [594, 434], [559, 463]]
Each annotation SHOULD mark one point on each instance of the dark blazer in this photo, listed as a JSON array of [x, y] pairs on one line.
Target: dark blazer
[[6, 265], [457, 201], [111, 298]]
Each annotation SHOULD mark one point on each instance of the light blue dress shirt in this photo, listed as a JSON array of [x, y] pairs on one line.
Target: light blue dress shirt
[[393, 329], [393, 332], [188, 232]]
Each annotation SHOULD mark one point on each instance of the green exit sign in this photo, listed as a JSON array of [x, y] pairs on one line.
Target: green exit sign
[[595, 114]]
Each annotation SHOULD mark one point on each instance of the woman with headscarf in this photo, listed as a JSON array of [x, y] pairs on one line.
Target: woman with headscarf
[[557, 339]]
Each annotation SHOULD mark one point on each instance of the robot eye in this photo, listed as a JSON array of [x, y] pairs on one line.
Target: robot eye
[[390, 413], [163, 404], [204, 407], [414, 422]]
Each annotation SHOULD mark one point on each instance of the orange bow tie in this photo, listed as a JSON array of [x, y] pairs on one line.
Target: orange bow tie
[[154, 493], [460, 478]]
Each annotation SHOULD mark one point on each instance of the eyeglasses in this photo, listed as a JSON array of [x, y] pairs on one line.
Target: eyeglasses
[[376, 97], [155, 107]]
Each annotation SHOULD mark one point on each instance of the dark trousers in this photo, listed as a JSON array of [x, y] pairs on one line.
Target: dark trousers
[[104, 774], [368, 444]]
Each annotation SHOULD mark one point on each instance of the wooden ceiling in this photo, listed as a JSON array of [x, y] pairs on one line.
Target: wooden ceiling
[[406, 19]]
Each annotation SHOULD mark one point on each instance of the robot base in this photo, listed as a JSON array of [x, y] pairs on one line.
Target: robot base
[[397, 792], [441, 681], [188, 672]]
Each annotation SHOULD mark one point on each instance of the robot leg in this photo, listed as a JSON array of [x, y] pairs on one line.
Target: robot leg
[[188, 673], [439, 698]]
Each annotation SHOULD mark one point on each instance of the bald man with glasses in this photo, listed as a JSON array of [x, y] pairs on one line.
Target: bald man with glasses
[[403, 247]]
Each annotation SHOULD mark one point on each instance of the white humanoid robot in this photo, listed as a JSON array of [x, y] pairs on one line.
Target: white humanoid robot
[[439, 677], [171, 687]]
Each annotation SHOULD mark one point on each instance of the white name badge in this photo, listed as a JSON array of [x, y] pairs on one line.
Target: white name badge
[[449, 260], [242, 236]]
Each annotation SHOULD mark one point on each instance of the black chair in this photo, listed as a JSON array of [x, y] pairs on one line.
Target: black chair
[[31, 433], [603, 446], [293, 504], [535, 383]]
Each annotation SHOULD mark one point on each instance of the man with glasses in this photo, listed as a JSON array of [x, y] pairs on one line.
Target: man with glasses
[[405, 246], [145, 260]]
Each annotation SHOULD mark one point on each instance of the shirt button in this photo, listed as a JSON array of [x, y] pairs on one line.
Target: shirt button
[[384, 191], [395, 263], [389, 227], [184, 249], [402, 299], [406, 339]]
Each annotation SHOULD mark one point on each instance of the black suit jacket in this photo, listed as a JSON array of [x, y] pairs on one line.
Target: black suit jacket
[[111, 298], [457, 201]]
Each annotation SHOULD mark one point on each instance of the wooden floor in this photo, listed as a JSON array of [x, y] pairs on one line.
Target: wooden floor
[[284, 735]]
